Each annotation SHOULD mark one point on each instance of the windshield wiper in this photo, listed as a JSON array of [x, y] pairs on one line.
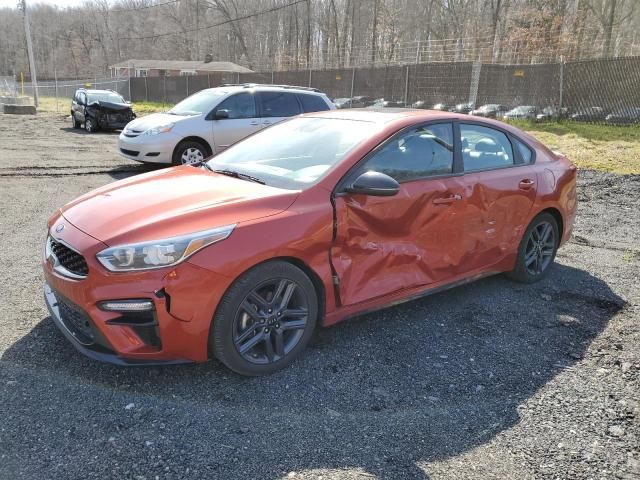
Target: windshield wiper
[[242, 176]]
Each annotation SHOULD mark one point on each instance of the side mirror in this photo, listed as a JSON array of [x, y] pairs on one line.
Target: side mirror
[[375, 184], [221, 114]]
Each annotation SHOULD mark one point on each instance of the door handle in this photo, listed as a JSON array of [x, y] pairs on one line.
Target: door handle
[[266, 122], [447, 200], [526, 184], [255, 122]]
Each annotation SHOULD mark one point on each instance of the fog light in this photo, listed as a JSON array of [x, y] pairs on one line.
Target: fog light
[[127, 305]]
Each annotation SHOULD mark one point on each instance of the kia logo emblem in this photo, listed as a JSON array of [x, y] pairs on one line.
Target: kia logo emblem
[[60, 227]]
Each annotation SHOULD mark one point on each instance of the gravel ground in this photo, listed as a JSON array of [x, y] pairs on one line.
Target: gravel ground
[[490, 380]]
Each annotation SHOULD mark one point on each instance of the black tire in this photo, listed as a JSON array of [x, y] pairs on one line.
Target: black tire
[[233, 328], [527, 270], [90, 125], [76, 124], [185, 147]]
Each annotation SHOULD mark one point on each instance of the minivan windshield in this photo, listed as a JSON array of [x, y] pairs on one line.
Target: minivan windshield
[[198, 103], [293, 154], [104, 97]]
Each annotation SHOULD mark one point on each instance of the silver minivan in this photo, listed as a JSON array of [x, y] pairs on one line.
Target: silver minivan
[[211, 120]]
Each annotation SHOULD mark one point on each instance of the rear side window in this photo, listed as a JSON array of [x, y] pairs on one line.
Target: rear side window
[[525, 152], [241, 105], [484, 148], [313, 103], [422, 152], [279, 104]]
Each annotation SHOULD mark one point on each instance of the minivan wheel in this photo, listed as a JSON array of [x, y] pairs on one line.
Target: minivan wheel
[[537, 249], [90, 125], [265, 319], [189, 153]]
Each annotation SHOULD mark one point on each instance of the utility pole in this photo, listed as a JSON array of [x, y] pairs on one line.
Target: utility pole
[[32, 65]]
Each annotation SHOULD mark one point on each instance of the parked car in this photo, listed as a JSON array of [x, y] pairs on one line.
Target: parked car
[[382, 103], [444, 107], [362, 101], [308, 222], [463, 108], [491, 110], [552, 113], [342, 102], [211, 120], [100, 109], [624, 116], [524, 112], [591, 114]]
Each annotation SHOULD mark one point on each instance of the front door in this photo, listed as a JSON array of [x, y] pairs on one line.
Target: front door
[[386, 244], [242, 120]]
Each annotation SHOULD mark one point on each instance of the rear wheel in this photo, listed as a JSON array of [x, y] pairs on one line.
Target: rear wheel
[[189, 152], [537, 249], [265, 319]]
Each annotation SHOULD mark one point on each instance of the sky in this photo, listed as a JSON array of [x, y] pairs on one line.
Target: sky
[[60, 3]]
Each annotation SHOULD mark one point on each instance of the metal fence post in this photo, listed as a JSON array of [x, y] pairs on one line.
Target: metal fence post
[[164, 91], [272, 76], [309, 78], [130, 99], [187, 77], [209, 80], [475, 82], [353, 80], [238, 77], [55, 76], [406, 85], [561, 81], [146, 90]]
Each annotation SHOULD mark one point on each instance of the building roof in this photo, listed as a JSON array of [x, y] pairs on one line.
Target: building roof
[[198, 65]]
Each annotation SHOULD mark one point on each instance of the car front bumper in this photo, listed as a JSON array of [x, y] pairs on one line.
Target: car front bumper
[[148, 148], [176, 330]]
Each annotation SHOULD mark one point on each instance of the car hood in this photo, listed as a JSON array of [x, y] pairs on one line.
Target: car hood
[[154, 120], [172, 202], [110, 106]]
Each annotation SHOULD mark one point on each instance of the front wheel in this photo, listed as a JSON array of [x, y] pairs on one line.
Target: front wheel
[[90, 125], [537, 249], [265, 319], [189, 153]]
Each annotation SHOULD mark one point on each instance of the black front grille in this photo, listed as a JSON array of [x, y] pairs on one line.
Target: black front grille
[[76, 320], [69, 259], [131, 153]]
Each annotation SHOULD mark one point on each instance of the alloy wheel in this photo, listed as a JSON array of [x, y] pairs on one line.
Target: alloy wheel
[[540, 248], [191, 155], [270, 321]]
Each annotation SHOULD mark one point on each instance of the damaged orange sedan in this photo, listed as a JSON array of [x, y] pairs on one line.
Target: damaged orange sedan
[[306, 223]]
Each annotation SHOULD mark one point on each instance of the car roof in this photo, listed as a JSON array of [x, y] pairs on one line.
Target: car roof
[[91, 90], [387, 115], [232, 88]]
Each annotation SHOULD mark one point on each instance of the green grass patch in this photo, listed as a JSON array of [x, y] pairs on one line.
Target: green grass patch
[[144, 108], [600, 147]]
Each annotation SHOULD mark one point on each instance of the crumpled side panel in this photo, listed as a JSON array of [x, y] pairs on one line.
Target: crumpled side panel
[[385, 244]]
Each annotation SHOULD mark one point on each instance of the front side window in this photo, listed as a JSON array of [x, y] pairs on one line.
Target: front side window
[[422, 152], [241, 105], [279, 104], [484, 148], [295, 153]]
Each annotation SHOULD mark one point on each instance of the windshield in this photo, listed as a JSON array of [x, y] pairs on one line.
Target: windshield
[[104, 97], [296, 153], [198, 103]]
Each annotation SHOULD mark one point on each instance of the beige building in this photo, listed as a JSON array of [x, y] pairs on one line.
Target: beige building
[[173, 68]]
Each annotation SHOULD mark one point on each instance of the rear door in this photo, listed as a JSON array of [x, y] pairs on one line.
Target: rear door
[[275, 106], [387, 244], [500, 188], [242, 120]]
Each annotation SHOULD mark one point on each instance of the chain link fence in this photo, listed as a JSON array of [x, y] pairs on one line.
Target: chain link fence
[[591, 90]]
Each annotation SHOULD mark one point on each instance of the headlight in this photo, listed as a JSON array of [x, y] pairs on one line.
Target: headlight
[[159, 253], [160, 129]]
